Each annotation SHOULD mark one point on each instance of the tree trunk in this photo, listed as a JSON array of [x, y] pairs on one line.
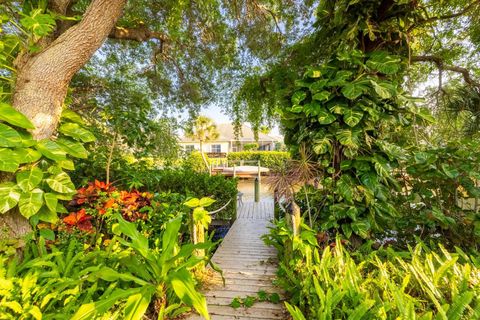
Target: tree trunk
[[43, 79]]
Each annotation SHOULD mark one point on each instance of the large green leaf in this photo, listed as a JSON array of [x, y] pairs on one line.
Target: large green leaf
[[352, 117], [12, 116], [138, 241], [137, 304], [325, 117], [184, 287], [382, 62], [361, 227], [61, 183], [47, 215], [9, 196], [8, 160], [73, 148], [27, 155], [322, 96], [51, 150], [51, 201], [30, 202], [9, 137], [348, 138], [382, 90], [298, 97], [75, 131], [322, 146], [29, 179], [353, 90]]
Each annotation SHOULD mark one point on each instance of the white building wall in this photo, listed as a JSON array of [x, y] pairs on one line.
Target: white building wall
[[207, 146]]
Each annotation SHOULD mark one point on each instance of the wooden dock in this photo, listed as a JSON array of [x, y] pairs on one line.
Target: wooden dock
[[249, 266]]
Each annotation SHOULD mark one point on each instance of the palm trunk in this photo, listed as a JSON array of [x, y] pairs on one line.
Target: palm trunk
[[204, 158]]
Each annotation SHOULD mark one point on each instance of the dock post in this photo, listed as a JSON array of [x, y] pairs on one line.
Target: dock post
[[257, 190], [259, 172]]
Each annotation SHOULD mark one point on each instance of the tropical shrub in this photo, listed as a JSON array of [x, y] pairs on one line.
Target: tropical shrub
[[70, 280], [269, 159], [250, 146], [38, 167], [324, 281]]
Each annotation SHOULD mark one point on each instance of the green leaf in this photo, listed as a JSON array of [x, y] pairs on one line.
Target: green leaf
[[9, 137], [72, 116], [184, 287], [382, 62], [29, 179], [51, 201], [27, 155], [325, 117], [361, 228], [236, 303], [205, 202], [192, 203], [321, 96], [77, 132], [9, 196], [66, 164], [381, 90], [274, 297], [322, 146], [51, 150], [137, 304], [47, 215], [12, 116], [61, 183], [348, 138], [47, 234], [353, 90], [298, 97], [352, 116], [73, 148], [30, 202], [91, 310], [8, 160]]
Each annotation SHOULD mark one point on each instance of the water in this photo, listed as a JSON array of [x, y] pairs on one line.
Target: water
[[247, 187]]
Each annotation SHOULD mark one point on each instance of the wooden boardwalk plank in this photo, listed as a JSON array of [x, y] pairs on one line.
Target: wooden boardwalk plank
[[248, 265]]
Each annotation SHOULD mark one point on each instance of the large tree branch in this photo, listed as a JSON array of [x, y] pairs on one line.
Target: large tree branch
[[438, 61], [139, 34], [465, 10]]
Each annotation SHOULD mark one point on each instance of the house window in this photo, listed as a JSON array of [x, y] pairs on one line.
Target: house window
[[189, 148], [216, 148]]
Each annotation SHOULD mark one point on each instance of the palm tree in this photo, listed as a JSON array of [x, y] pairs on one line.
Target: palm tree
[[202, 129]]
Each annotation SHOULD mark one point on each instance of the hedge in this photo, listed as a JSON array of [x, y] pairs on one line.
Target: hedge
[[267, 159], [197, 185]]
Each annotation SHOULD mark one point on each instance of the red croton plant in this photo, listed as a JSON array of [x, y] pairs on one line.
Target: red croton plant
[[99, 200]]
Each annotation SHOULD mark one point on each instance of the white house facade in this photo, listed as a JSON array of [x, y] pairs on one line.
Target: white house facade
[[227, 142]]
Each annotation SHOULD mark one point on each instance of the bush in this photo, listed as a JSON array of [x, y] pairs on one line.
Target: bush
[[197, 185], [194, 161], [267, 159]]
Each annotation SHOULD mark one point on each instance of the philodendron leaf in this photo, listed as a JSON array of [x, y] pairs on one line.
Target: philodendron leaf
[[352, 117], [51, 150], [12, 116], [73, 148], [325, 117], [77, 132], [9, 196], [8, 160], [27, 155], [51, 201], [9, 137], [61, 183], [361, 227], [29, 179], [30, 202], [46, 215]]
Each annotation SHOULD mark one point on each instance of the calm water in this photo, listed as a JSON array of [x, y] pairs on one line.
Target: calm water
[[247, 188]]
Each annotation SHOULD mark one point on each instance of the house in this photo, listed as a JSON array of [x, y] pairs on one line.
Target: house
[[227, 142]]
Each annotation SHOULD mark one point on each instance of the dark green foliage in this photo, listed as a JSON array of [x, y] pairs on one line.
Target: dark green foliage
[[269, 159]]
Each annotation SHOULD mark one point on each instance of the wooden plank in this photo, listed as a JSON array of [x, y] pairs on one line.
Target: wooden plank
[[248, 266]]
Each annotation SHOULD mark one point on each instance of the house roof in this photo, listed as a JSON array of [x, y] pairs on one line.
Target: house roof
[[226, 133]]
